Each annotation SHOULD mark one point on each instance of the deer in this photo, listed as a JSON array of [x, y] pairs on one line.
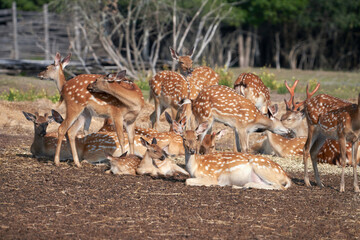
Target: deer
[[43, 145], [293, 118], [228, 168], [251, 87], [223, 104], [331, 118], [156, 162], [201, 77], [330, 153], [122, 108], [55, 72]]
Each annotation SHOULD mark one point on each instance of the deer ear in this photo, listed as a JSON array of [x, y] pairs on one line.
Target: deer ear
[[168, 118], [177, 128], [166, 150], [174, 54], [190, 52], [57, 59], [66, 60], [154, 141], [124, 154], [201, 128], [220, 134], [121, 74], [274, 109], [144, 142], [57, 116], [29, 116]]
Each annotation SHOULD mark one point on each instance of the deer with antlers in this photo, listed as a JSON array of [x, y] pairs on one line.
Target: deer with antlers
[[225, 168], [123, 108], [330, 118], [223, 104], [251, 87]]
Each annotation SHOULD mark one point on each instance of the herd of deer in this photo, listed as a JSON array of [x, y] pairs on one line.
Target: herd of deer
[[330, 133]]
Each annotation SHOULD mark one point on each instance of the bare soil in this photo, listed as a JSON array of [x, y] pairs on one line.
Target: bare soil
[[40, 201]]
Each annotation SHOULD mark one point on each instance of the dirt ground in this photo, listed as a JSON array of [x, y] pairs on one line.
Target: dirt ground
[[41, 201]]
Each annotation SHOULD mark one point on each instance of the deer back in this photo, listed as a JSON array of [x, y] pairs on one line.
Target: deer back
[[200, 78]]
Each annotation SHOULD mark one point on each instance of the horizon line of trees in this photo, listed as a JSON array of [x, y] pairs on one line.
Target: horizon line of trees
[[136, 34]]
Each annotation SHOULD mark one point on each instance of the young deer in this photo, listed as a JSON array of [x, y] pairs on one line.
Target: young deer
[[55, 72], [123, 108], [251, 87], [223, 104], [225, 168], [44, 144], [331, 118], [156, 162], [123, 165], [330, 153], [293, 118]]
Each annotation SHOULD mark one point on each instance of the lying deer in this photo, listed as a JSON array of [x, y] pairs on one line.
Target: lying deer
[[44, 144], [225, 168], [223, 104]]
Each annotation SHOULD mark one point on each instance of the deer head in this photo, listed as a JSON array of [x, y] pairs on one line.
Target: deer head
[[185, 62], [40, 122], [105, 81]]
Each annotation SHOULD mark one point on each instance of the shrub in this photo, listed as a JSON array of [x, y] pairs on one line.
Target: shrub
[[226, 76], [30, 95], [269, 80]]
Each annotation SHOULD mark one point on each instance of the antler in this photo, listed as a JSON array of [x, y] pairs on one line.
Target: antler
[[308, 94], [292, 94]]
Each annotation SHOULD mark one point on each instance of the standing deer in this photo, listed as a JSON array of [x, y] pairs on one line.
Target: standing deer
[[225, 168], [122, 108], [331, 118], [201, 77], [251, 87], [55, 72], [223, 104]]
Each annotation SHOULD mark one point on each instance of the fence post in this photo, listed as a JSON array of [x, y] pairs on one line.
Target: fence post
[[15, 36], [46, 32]]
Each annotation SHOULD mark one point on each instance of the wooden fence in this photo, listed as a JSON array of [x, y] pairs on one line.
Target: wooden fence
[[32, 35]]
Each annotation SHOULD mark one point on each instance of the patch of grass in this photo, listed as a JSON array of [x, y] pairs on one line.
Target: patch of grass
[[226, 76], [30, 95]]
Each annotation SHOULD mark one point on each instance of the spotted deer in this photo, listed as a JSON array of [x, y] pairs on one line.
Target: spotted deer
[[77, 98], [331, 118], [252, 87], [293, 118], [156, 162], [201, 77], [223, 104], [167, 88], [330, 153], [226, 168], [55, 72]]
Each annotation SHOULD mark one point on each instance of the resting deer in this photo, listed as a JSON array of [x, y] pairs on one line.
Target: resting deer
[[293, 118], [55, 72], [331, 118], [223, 104], [156, 162], [44, 144], [251, 87], [225, 168]]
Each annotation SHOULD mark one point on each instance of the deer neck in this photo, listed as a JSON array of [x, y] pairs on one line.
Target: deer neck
[[146, 162], [60, 79], [274, 142], [190, 162]]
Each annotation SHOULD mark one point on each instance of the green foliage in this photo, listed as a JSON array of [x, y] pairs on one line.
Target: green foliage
[[25, 5], [269, 80], [143, 85], [226, 76], [30, 95], [281, 89]]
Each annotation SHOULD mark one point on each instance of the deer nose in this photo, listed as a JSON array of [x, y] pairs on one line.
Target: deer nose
[[162, 158], [192, 151]]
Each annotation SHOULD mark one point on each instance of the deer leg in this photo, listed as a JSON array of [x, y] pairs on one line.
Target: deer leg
[[130, 129], [354, 152], [342, 142], [313, 154], [72, 132], [155, 116], [71, 116], [242, 140], [306, 153], [87, 119], [118, 122]]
